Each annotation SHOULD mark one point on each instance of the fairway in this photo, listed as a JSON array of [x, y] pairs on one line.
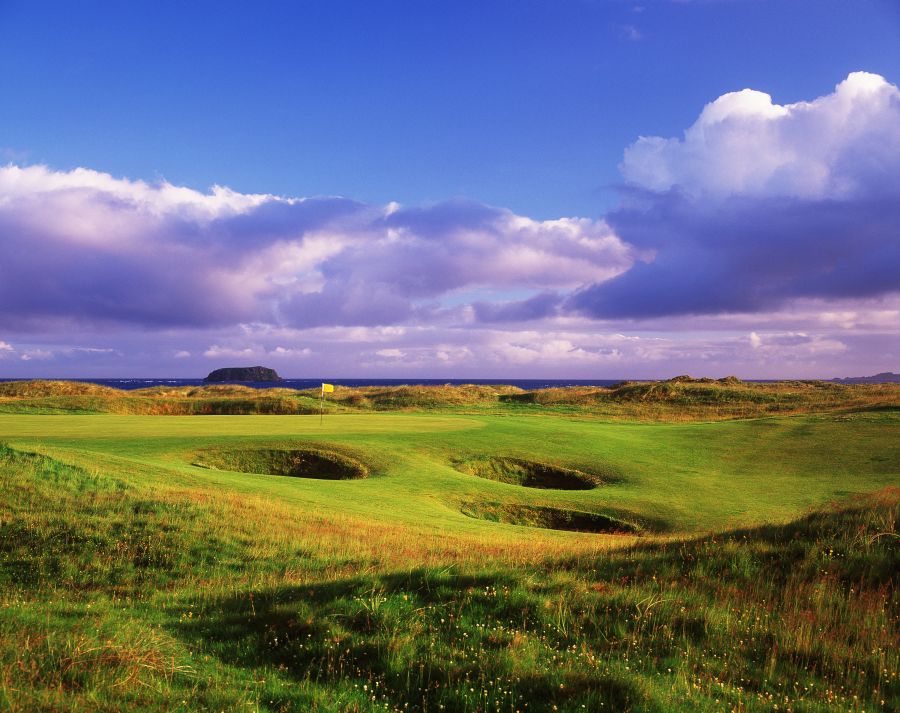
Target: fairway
[[666, 478], [108, 426]]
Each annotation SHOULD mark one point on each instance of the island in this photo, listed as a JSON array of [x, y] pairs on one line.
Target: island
[[885, 377], [244, 373]]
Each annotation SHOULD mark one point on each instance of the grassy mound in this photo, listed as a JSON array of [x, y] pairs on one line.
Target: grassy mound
[[679, 399], [529, 474], [688, 391], [64, 525], [52, 397], [684, 398], [210, 391], [549, 518], [297, 462], [39, 388], [401, 398]]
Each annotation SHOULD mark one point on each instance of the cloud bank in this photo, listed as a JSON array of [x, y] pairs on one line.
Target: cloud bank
[[759, 204], [85, 246], [767, 233]]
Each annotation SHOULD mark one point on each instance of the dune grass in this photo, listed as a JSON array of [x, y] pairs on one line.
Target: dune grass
[[758, 568], [681, 399]]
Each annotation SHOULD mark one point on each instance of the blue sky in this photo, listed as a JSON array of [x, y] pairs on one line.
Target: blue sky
[[454, 110], [519, 103]]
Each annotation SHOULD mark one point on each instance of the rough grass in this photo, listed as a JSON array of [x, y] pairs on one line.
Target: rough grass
[[686, 399], [131, 580], [40, 388], [803, 616], [54, 397], [678, 399], [393, 398]]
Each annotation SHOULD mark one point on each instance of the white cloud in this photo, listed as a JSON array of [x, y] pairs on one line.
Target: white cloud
[[70, 351], [632, 33], [836, 146], [217, 352], [27, 183], [550, 351], [795, 346], [289, 352], [36, 355], [760, 204], [255, 351]]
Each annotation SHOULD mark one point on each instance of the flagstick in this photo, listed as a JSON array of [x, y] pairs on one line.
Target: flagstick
[[322, 406]]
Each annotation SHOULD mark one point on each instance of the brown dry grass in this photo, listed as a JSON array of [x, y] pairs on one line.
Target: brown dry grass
[[679, 399]]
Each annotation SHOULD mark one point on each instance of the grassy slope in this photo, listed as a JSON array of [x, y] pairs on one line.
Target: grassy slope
[[694, 477], [173, 583]]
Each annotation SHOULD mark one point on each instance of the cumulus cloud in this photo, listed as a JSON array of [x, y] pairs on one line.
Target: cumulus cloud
[[412, 256], [841, 145], [759, 204], [86, 246]]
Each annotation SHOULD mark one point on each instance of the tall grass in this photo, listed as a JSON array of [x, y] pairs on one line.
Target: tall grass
[[119, 591], [679, 399]]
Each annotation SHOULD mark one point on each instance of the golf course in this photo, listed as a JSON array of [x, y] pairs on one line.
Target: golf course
[[686, 545]]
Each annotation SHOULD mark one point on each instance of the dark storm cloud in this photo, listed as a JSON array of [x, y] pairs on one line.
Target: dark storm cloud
[[540, 306], [748, 255]]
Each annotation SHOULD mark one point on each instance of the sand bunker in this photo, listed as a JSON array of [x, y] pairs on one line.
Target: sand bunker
[[529, 474], [548, 517], [297, 462]]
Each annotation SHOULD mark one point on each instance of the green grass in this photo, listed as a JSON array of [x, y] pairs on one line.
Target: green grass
[[762, 573]]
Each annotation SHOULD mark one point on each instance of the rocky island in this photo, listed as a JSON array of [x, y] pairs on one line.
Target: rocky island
[[244, 373], [885, 377]]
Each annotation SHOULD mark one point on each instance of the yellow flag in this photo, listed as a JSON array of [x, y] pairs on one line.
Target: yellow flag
[[327, 388]]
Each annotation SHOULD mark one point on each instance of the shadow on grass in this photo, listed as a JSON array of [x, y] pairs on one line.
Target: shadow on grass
[[432, 638], [419, 638]]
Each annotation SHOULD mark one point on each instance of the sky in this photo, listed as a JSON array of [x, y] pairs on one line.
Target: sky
[[497, 189]]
